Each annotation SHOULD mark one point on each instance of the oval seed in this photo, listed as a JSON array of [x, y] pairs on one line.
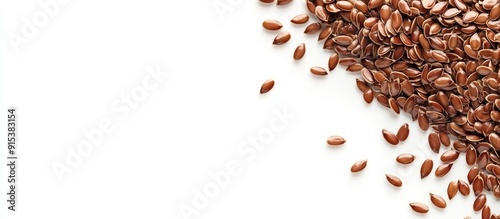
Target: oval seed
[[405, 158], [318, 71], [358, 166], [335, 140], [449, 156], [394, 180], [282, 38], [479, 202], [419, 207], [473, 172], [452, 189], [437, 200], [390, 137], [333, 61], [445, 139], [272, 25], [483, 159], [267, 86], [403, 132], [443, 169], [434, 142], [312, 28], [299, 52], [426, 168], [463, 188], [486, 213], [368, 96], [300, 19], [283, 2], [471, 155], [347, 61], [477, 185]]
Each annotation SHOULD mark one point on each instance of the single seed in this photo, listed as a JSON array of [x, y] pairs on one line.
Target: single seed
[[272, 25], [477, 185], [483, 159], [445, 139], [426, 168], [443, 169], [394, 180], [463, 188], [335, 140], [452, 189], [282, 38], [266, 1], [390, 137], [437, 200], [434, 142], [368, 96], [358, 166], [403, 132], [479, 202], [267, 86], [419, 207], [449, 156], [471, 155], [283, 2], [486, 212], [299, 52], [312, 28], [405, 158], [318, 71], [333, 61], [300, 19], [347, 61], [473, 172]]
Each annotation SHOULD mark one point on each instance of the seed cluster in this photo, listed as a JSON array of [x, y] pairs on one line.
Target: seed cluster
[[436, 60]]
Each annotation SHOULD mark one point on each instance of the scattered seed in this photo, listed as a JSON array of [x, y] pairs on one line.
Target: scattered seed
[[443, 169], [390, 137], [300, 19], [282, 38], [452, 189], [449, 156], [434, 142], [299, 52], [437, 200], [405, 158], [283, 2], [333, 61], [358, 166], [272, 25], [426, 168], [267, 86], [463, 188], [479, 202], [319, 71], [486, 212], [471, 155], [478, 185], [403, 132], [394, 180], [312, 28], [335, 140], [419, 207]]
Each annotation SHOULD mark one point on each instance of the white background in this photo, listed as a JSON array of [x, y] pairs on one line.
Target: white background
[[65, 79]]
